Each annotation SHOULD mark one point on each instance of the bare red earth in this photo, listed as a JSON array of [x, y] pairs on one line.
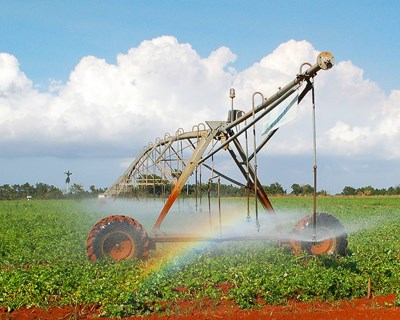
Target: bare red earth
[[382, 307]]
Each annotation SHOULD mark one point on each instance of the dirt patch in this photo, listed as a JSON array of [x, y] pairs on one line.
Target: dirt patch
[[382, 307]]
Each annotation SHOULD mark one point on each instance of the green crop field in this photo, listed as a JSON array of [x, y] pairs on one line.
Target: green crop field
[[43, 261]]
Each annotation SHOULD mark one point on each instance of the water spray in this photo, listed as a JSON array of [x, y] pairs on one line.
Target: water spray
[[193, 150]]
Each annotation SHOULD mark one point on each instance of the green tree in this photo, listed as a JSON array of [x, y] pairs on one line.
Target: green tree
[[54, 193], [306, 189], [96, 191], [296, 189], [349, 191], [323, 192], [275, 189], [366, 191], [41, 190], [77, 191], [27, 190], [7, 192], [391, 191]]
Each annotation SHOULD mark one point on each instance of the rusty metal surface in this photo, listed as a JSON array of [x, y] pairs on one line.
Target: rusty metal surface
[[198, 152]]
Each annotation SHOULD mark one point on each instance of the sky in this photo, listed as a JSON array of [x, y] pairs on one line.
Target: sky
[[84, 85]]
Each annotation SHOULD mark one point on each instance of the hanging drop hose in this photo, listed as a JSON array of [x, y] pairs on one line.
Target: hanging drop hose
[[219, 205], [200, 193], [315, 161], [195, 174], [248, 218], [209, 204], [209, 190], [255, 161]]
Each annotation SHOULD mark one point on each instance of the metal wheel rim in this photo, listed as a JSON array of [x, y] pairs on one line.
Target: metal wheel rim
[[326, 246], [119, 245]]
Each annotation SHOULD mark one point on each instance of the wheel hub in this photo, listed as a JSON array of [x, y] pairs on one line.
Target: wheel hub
[[321, 241], [119, 246]]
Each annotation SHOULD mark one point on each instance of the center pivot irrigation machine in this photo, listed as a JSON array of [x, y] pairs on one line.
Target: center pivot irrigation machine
[[172, 160]]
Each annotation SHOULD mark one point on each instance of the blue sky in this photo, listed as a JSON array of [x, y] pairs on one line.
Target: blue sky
[[50, 40]]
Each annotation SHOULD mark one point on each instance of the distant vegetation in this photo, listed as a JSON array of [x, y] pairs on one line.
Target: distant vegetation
[[45, 191], [77, 191]]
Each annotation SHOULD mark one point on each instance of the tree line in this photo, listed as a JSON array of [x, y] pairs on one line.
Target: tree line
[[45, 191], [77, 191]]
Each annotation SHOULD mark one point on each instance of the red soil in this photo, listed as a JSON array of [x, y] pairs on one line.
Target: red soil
[[382, 307]]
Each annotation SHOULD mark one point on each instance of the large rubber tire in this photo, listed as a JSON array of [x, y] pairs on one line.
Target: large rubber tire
[[117, 237], [331, 236]]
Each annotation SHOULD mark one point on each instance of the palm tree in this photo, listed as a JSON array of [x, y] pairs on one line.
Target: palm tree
[[68, 180]]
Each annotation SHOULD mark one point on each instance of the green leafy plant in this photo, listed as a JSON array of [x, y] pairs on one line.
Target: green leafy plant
[[43, 262]]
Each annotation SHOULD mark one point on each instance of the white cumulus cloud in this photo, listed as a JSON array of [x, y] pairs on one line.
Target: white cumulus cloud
[[106, 109]]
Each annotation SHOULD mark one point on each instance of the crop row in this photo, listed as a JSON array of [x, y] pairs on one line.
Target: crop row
[[43, 262]]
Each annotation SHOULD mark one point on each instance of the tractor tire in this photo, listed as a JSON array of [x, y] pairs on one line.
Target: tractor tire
[[331, 236], [117, 237]]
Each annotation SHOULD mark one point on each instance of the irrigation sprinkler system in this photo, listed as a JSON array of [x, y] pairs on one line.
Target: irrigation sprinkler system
[[173, 159]]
